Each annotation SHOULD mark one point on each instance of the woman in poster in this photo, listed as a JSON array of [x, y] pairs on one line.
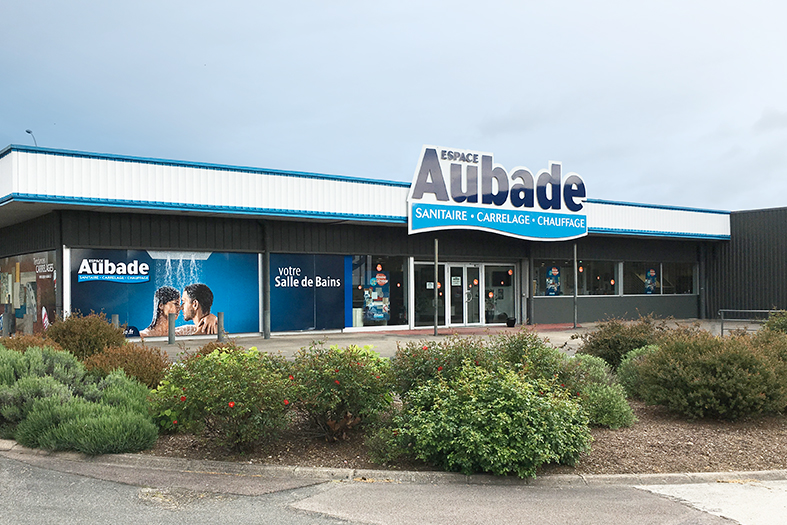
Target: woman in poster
[[166, 301]]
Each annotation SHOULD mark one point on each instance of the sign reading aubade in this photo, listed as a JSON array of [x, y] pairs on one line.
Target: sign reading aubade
[[460, 189]]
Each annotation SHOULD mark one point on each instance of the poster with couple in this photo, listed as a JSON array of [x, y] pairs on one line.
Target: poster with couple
[[143, 286]]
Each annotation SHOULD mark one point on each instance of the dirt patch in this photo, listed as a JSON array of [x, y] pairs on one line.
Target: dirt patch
[[659, 442]]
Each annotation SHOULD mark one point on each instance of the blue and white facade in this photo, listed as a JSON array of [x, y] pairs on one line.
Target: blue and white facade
[[314, 251]]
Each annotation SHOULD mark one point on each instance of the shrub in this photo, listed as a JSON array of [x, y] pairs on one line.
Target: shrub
[[90, 428], [17, 399], [777, 321], [62, 366], [85, 336], [699, 375], [615, 338], [527, 352], [606, 405], [21, 342], [628, 371], [238, 395], [492, 421], [340, 388], [119, 390], [591, 380], [416, 363], [11, 365], [147, 364]]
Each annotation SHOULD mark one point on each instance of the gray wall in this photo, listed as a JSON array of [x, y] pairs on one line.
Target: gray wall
[[595, 308], [750, 271]]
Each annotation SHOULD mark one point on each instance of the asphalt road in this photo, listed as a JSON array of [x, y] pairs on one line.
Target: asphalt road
[[66, 488]]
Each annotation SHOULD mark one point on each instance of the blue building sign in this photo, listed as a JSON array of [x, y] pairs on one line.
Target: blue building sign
[[465, 190]]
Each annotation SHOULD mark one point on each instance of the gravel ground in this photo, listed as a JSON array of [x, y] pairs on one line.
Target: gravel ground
[[658, 443]]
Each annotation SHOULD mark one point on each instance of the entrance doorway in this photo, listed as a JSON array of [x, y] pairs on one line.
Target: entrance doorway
[[467, 293]]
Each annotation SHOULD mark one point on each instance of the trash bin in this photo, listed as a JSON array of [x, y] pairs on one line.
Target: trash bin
[[510, 322]]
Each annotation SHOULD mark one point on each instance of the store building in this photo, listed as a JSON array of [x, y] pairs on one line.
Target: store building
[[288, 251]]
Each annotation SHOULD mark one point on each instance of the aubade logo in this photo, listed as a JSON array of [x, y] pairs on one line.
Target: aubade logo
[[119, 272], [461, 189]]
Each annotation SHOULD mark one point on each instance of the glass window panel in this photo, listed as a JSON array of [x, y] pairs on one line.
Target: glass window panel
[[553, 277], [379, 291], [678, 278], [641, 278], [499, 293], [597, 278]]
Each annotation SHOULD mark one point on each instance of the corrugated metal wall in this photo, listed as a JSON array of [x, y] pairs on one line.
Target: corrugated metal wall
[[129, 230], [143, 231], [342, 238], [750, 271], [83, 229], [619, 249], [37, 235]]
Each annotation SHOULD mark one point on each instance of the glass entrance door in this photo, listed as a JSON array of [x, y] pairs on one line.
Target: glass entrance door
[[465, 294]]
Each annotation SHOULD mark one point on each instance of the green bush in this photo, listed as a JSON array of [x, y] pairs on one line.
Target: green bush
[[21, 342], [606, 405], [416, 363], [592, 381], [495, 422], [87, 335], [699, 375], [615, 338], [238, 395], [525, 351], [12, 364], [17, 399], [147, 364], [341, 388], [90, 428], [628, 371], [777, 321]]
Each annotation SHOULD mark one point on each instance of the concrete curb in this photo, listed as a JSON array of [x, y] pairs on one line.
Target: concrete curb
[[13, 450]]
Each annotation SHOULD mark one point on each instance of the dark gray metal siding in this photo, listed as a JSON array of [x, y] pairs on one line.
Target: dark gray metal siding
[[750, 271], [136, 231], [36, 235], [305, 237], [619, 249]]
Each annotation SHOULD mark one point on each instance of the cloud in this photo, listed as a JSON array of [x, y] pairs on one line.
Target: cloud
[[771, 120]]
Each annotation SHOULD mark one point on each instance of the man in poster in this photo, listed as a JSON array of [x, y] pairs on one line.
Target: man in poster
[[197, 300]]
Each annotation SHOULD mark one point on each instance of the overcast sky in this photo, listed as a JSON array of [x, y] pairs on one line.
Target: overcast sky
[[678, 103]]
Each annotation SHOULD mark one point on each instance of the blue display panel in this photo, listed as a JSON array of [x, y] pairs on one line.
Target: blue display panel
[[130, 283], [307, 292]]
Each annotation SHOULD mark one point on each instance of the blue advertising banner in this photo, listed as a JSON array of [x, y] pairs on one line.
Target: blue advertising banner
[[142, 287], [307, 292], [524, 224]]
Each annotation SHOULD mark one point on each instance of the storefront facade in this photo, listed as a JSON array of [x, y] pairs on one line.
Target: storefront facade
[[287, 251]]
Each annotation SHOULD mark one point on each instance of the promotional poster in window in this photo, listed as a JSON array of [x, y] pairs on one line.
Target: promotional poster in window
[[27, 292], [308, 291], [143, 287]]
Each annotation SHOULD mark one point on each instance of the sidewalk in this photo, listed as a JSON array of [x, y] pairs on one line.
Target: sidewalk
[[386, 342]]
